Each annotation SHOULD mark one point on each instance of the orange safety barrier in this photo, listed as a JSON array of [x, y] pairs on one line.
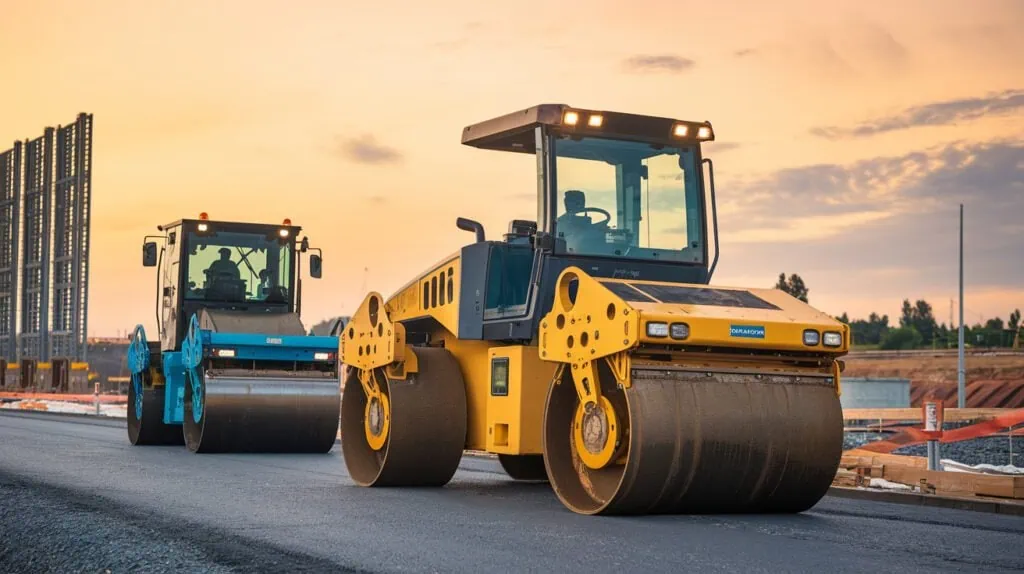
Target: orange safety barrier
[[106, 399], [912, 436]]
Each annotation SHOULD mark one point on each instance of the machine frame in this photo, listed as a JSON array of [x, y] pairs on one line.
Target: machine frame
[[597, 372], [186, 344]]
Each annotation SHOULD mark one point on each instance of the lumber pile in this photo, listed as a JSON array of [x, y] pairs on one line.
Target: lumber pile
[[857, 468], [848, 478]]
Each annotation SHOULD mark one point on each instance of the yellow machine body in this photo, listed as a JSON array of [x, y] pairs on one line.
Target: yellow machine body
[[518, 382], [598, 325], [648, 394]]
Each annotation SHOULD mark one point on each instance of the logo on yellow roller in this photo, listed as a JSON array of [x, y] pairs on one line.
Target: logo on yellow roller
[[747, 331]]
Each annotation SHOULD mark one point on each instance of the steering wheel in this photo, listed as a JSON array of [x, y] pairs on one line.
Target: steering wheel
[[607, 216]]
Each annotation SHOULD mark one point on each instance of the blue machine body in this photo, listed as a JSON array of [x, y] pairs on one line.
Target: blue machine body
[[232, 368], [201, 343]]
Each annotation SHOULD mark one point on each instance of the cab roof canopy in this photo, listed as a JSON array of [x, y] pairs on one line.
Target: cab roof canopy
[[515, 131], [236, 225]]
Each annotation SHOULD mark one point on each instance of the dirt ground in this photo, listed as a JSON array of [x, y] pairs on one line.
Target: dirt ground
[[992, 381]]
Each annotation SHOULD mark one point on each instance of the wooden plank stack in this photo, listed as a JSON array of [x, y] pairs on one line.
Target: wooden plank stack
[[858, 467]]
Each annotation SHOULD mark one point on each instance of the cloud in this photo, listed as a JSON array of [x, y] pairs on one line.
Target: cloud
[[658, 63], [365, 149], [837, 224], [859, 50], [720, 147], [911, 183], [880, 45], [821, 55], [935, 114]]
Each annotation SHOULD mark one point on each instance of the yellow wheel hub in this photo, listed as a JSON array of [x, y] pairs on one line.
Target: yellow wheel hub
[[377, 420], [596, 433]]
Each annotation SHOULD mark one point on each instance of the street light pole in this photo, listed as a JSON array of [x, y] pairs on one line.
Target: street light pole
[[961, 375]]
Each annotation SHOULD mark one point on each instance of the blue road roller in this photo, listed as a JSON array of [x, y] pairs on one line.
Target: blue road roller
[[234, 370]]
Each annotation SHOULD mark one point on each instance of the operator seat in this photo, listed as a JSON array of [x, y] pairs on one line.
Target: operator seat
[[575, 226]]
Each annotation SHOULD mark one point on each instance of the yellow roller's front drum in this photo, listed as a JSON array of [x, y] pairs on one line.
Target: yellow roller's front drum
[[701, 442]]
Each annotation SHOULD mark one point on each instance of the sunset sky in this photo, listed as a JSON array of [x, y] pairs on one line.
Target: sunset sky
[[848, 132]]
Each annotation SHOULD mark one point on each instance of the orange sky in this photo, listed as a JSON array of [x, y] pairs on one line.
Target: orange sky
[[346, 118]]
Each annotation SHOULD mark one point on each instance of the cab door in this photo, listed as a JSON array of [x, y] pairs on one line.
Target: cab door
[[170, 298]]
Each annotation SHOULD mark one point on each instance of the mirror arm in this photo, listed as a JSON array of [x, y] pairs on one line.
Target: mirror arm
[[159, 295], [298, 287], [159, 266], [714, 215]]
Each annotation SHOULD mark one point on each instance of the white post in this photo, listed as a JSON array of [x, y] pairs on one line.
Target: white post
[[932, 425]]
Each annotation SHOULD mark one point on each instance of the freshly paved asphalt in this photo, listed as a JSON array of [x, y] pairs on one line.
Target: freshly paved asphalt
[[75, 496]]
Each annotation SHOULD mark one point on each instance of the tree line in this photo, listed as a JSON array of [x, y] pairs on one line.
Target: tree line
[[917, 327]]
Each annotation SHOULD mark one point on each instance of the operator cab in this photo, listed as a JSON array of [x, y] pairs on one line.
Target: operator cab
[[225, 265], [619, 195]]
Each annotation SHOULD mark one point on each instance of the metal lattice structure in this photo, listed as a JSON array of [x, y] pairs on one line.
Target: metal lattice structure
[[10, 203], [72, 203], [35, 261], [45, 212]]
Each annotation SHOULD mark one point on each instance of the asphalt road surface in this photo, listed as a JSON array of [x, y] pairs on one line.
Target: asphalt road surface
[[75, 496]]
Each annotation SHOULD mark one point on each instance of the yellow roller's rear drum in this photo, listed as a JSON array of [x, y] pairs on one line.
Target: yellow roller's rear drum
[[415, 434], [524, 467], [700, 442]]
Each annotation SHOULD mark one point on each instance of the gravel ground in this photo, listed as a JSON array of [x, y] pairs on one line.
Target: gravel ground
[[856, 439], [54, 530], [986, 450], [989, 450]]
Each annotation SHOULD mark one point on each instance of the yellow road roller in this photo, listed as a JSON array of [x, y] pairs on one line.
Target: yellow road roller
[[587, 348]]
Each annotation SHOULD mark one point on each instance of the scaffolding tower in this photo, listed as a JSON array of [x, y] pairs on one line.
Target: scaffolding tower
[[45, 213], [71, 241], [10, 203]]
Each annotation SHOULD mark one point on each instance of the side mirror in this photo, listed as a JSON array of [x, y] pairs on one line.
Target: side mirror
[[470, 225], [149, 254], [315, 266]]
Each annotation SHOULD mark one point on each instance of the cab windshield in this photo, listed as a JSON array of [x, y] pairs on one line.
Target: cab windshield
[[231, 266], [629, 199]]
